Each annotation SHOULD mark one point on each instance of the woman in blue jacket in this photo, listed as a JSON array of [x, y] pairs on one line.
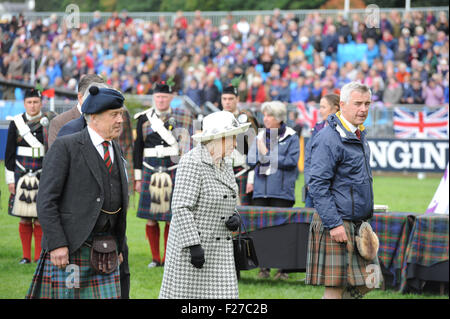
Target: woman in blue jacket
[[274, 156]]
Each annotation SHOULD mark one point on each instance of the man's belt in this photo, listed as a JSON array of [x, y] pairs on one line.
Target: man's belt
[[34, 152], [160, 151]]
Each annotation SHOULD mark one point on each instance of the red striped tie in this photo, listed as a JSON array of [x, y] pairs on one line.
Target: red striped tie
[[358, 134], [106, 156]]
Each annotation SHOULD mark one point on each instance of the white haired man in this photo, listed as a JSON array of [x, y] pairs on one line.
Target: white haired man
[[341, 187]]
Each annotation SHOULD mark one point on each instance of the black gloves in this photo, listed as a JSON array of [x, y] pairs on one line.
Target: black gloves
[[197, 256], [233, 222]]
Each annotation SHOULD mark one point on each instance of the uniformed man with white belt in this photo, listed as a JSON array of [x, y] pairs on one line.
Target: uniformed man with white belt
[[162, 135], [25, 149], [229, 100]]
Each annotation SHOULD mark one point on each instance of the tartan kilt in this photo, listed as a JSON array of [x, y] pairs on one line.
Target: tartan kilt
[[29, 163], [245, 199], [50, 282], [334, 264], [145, 198]]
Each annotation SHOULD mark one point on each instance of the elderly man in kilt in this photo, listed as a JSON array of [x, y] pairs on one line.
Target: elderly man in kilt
[[126, 144], [341, 186], [229, 100], [162, 134], [82, 205], [25, 149]]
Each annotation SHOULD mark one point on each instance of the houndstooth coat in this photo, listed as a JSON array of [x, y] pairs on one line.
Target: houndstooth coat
[[204, 198]]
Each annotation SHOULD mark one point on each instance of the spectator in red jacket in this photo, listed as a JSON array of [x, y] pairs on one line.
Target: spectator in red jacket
[[257, 91]]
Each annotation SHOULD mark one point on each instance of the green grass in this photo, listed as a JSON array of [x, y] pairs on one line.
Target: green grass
[[405, 193]]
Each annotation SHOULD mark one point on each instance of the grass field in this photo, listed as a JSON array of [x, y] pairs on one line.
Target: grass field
[[403, 193]]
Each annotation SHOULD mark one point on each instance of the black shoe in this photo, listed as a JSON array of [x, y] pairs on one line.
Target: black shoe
[[154, 264], [24, 261]]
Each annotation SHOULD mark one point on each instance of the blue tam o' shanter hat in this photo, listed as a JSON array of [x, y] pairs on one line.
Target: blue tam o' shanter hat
[[102, 99]]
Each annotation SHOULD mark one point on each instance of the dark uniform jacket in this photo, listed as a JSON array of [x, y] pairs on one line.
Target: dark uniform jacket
[[14, 140]]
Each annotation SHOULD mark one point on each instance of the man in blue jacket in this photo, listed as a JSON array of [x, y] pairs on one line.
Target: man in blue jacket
[[341, 186]]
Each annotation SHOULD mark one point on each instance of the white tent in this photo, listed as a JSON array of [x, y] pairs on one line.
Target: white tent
[[439, 203]]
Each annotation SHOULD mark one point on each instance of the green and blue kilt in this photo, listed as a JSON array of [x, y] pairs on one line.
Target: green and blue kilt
[[334, 264], [77, 281], [29, 163], [145, 199], [246, 199]]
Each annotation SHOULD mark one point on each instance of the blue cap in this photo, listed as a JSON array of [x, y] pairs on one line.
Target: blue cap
[[102, 99]]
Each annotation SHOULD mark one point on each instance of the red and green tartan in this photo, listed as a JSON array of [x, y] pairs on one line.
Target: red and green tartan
[[50, 282], [393, 230], [428, 244], [334, 264], [145, 198], [246, 199]]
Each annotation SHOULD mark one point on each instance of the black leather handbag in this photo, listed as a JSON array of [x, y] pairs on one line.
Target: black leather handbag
[[244, 251]]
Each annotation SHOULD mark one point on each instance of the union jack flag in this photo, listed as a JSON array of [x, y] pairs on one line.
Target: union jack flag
[[308, 115], [421, 124]]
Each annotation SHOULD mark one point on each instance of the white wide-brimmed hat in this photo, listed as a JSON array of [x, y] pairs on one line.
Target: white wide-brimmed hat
[[220, 124]]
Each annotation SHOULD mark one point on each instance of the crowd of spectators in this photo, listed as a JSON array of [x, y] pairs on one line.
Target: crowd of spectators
[[276, 57]]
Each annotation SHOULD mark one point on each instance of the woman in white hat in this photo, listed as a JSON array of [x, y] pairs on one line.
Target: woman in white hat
[[199, 256]]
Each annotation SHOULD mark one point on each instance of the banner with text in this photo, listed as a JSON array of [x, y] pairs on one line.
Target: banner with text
[[414, 155]]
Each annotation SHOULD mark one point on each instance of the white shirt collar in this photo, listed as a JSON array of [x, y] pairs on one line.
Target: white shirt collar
[[95, 137], [97, 140], [79, 108], [350, 125]]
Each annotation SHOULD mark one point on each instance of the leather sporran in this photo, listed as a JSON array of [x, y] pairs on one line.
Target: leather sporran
[[244, 251], [104, 258], [367, 241]]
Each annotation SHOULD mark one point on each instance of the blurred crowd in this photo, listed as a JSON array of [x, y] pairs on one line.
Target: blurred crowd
[[273, 57]]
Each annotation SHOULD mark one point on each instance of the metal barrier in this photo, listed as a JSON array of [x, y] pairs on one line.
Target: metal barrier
[[379, 122], [217, 17]]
